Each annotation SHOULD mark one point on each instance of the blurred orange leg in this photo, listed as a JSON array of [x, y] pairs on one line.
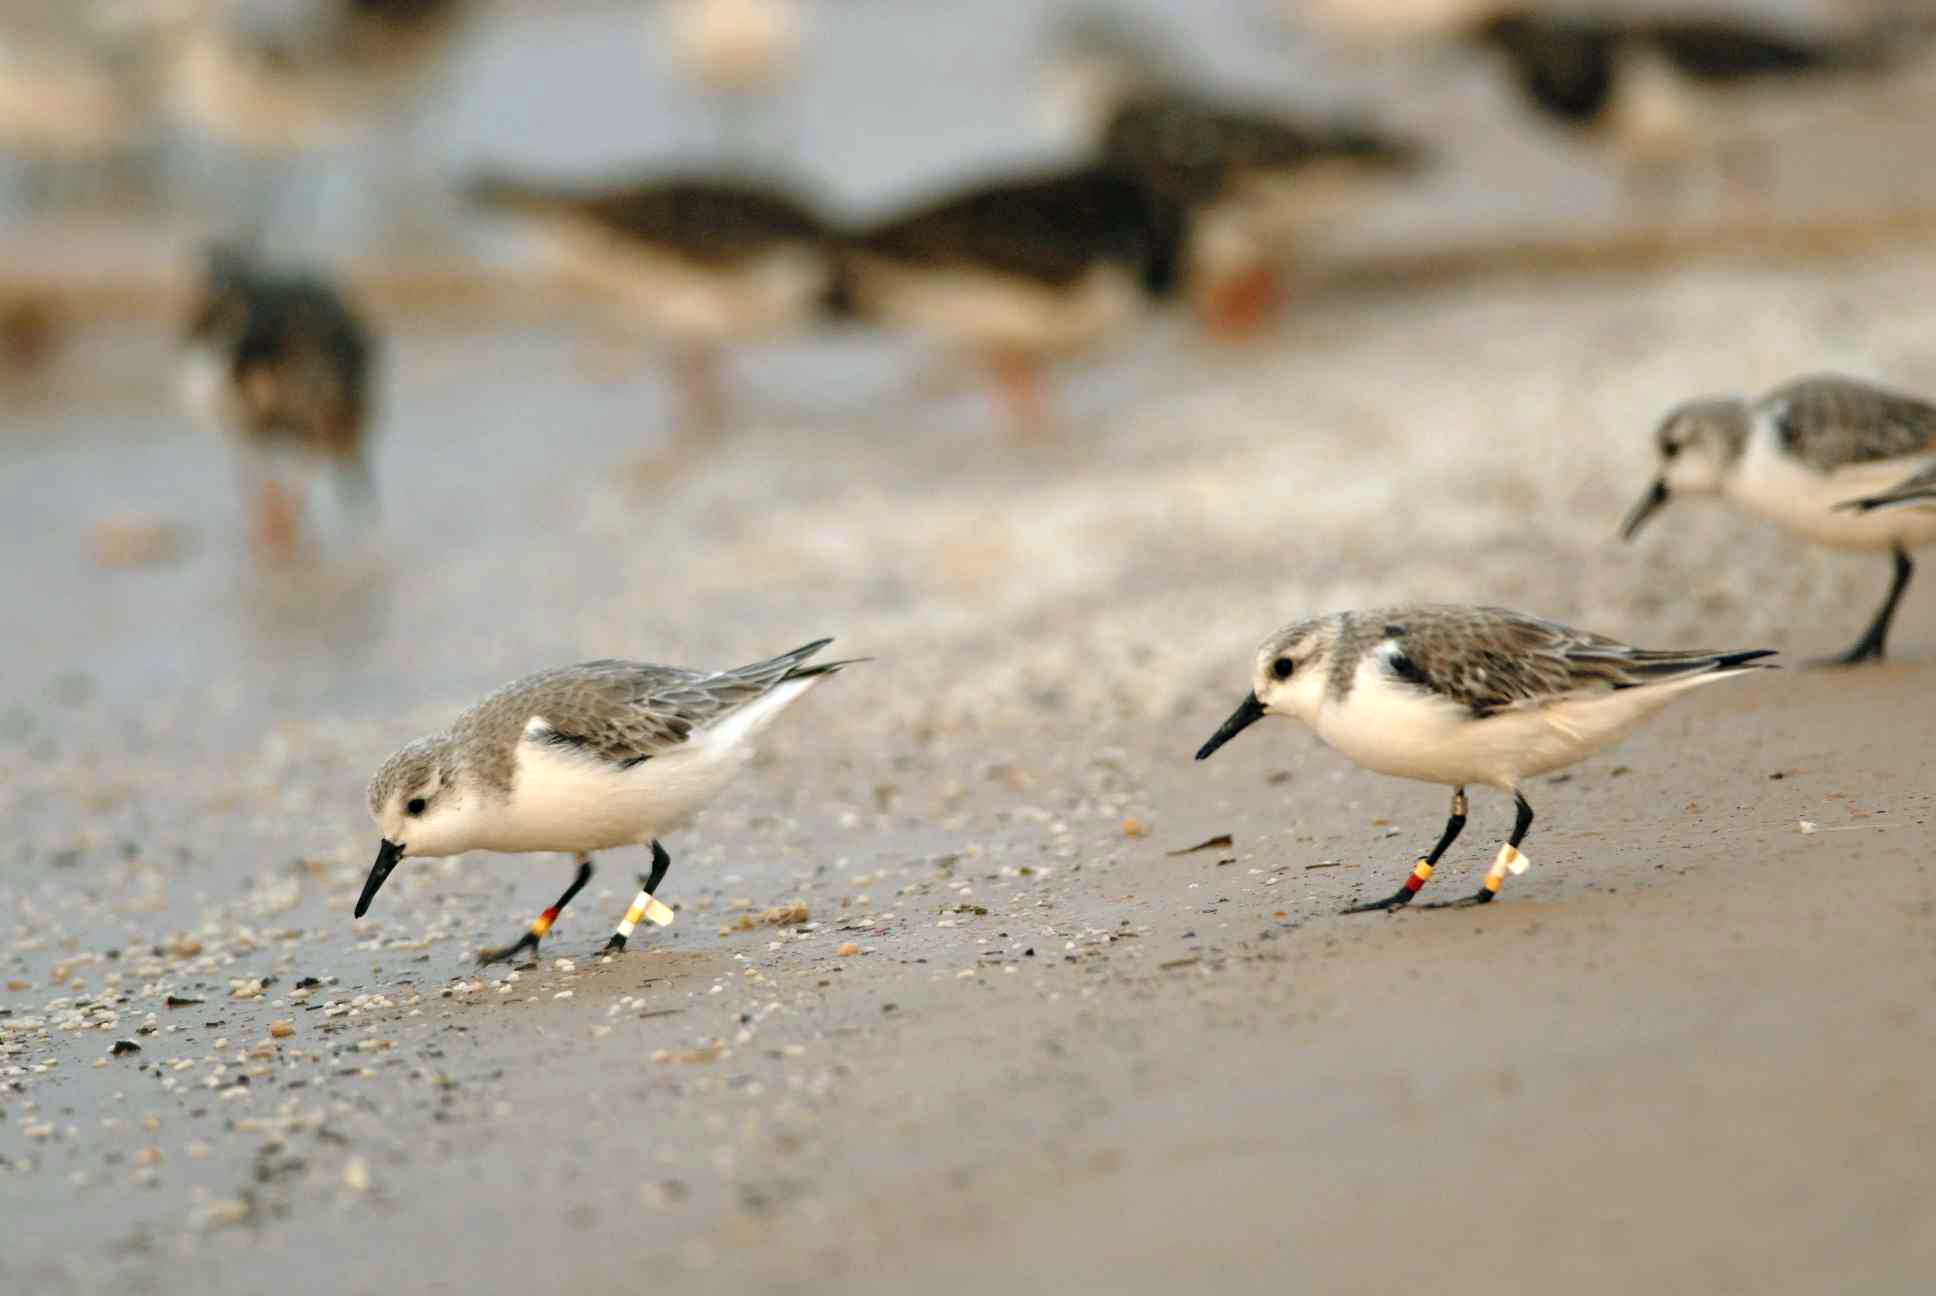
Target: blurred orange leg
[[1019, 375], [277, 517], [1240, 306], [705, 396]]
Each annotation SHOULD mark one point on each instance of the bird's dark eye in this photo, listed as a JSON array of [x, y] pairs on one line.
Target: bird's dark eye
[[415, 806], [1282, 668], [1668, 449]]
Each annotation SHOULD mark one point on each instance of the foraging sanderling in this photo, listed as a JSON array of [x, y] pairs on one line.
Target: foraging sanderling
[[1446, 693], [581, 759], [281, 361], [1798, 453]]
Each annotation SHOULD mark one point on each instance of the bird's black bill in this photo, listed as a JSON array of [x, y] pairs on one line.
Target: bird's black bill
[[1248, 713], [1655, 497], [387, 856]]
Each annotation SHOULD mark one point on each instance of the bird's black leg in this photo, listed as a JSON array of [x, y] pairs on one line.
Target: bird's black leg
[[542, 923], [643, 903], [1403, 896], [1508, 856], [1869, 646]]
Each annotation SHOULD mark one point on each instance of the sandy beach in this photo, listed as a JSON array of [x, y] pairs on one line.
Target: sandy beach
[[950, 1004], [1685, 1051]]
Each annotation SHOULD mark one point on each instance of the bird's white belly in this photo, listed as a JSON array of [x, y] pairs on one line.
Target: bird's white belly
[[561, 801], [688, 302], [1393, 729], [204, 385], [1803, 500], [990, 311]]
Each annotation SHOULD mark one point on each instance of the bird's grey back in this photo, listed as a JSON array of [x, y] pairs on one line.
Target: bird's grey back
[[1827, 421], [1490, 659], [620, 711]]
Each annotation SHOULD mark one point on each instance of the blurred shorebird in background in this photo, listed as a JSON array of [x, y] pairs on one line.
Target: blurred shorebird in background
[[739, 55], [280, 362], [1019, 270], [1262, 182], [1818, 457], [76, 89], [697, 263], [1660, 87], [277, 81]]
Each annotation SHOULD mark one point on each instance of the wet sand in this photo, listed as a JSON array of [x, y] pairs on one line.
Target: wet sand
[[1686, 1052]]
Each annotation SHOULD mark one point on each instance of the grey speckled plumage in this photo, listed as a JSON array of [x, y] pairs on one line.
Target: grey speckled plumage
[[1827, 421], [1490, 659], [621, 712]]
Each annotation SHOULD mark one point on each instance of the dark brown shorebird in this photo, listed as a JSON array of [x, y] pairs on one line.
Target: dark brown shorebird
[[280, 361], [1650, 85], [1264, 182], [1021, 269], [696, 263]]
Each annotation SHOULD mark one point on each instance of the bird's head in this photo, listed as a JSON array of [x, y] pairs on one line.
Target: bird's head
[[1289, 679], [418, 803], [1699, 445]]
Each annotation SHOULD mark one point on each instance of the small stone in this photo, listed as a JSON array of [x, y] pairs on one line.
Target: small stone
[[1134, 827], [245, 988], [133, 541], [847, 950], [222, 1213], [281, 1029], [124, 1046], [356, 1175]]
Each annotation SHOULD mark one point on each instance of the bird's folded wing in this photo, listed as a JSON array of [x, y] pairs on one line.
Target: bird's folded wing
[[1830, 422]]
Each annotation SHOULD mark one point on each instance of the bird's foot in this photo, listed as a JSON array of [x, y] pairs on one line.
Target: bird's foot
[[1860, 655], [1390, 904], [1479, 897], [616, 945], [528, 941]]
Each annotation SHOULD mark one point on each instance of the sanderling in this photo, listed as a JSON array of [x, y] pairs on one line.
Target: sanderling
[[1021, 269], [1794, 456], [1458, 695], [282, 362], [581, 759], [697, 261]]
